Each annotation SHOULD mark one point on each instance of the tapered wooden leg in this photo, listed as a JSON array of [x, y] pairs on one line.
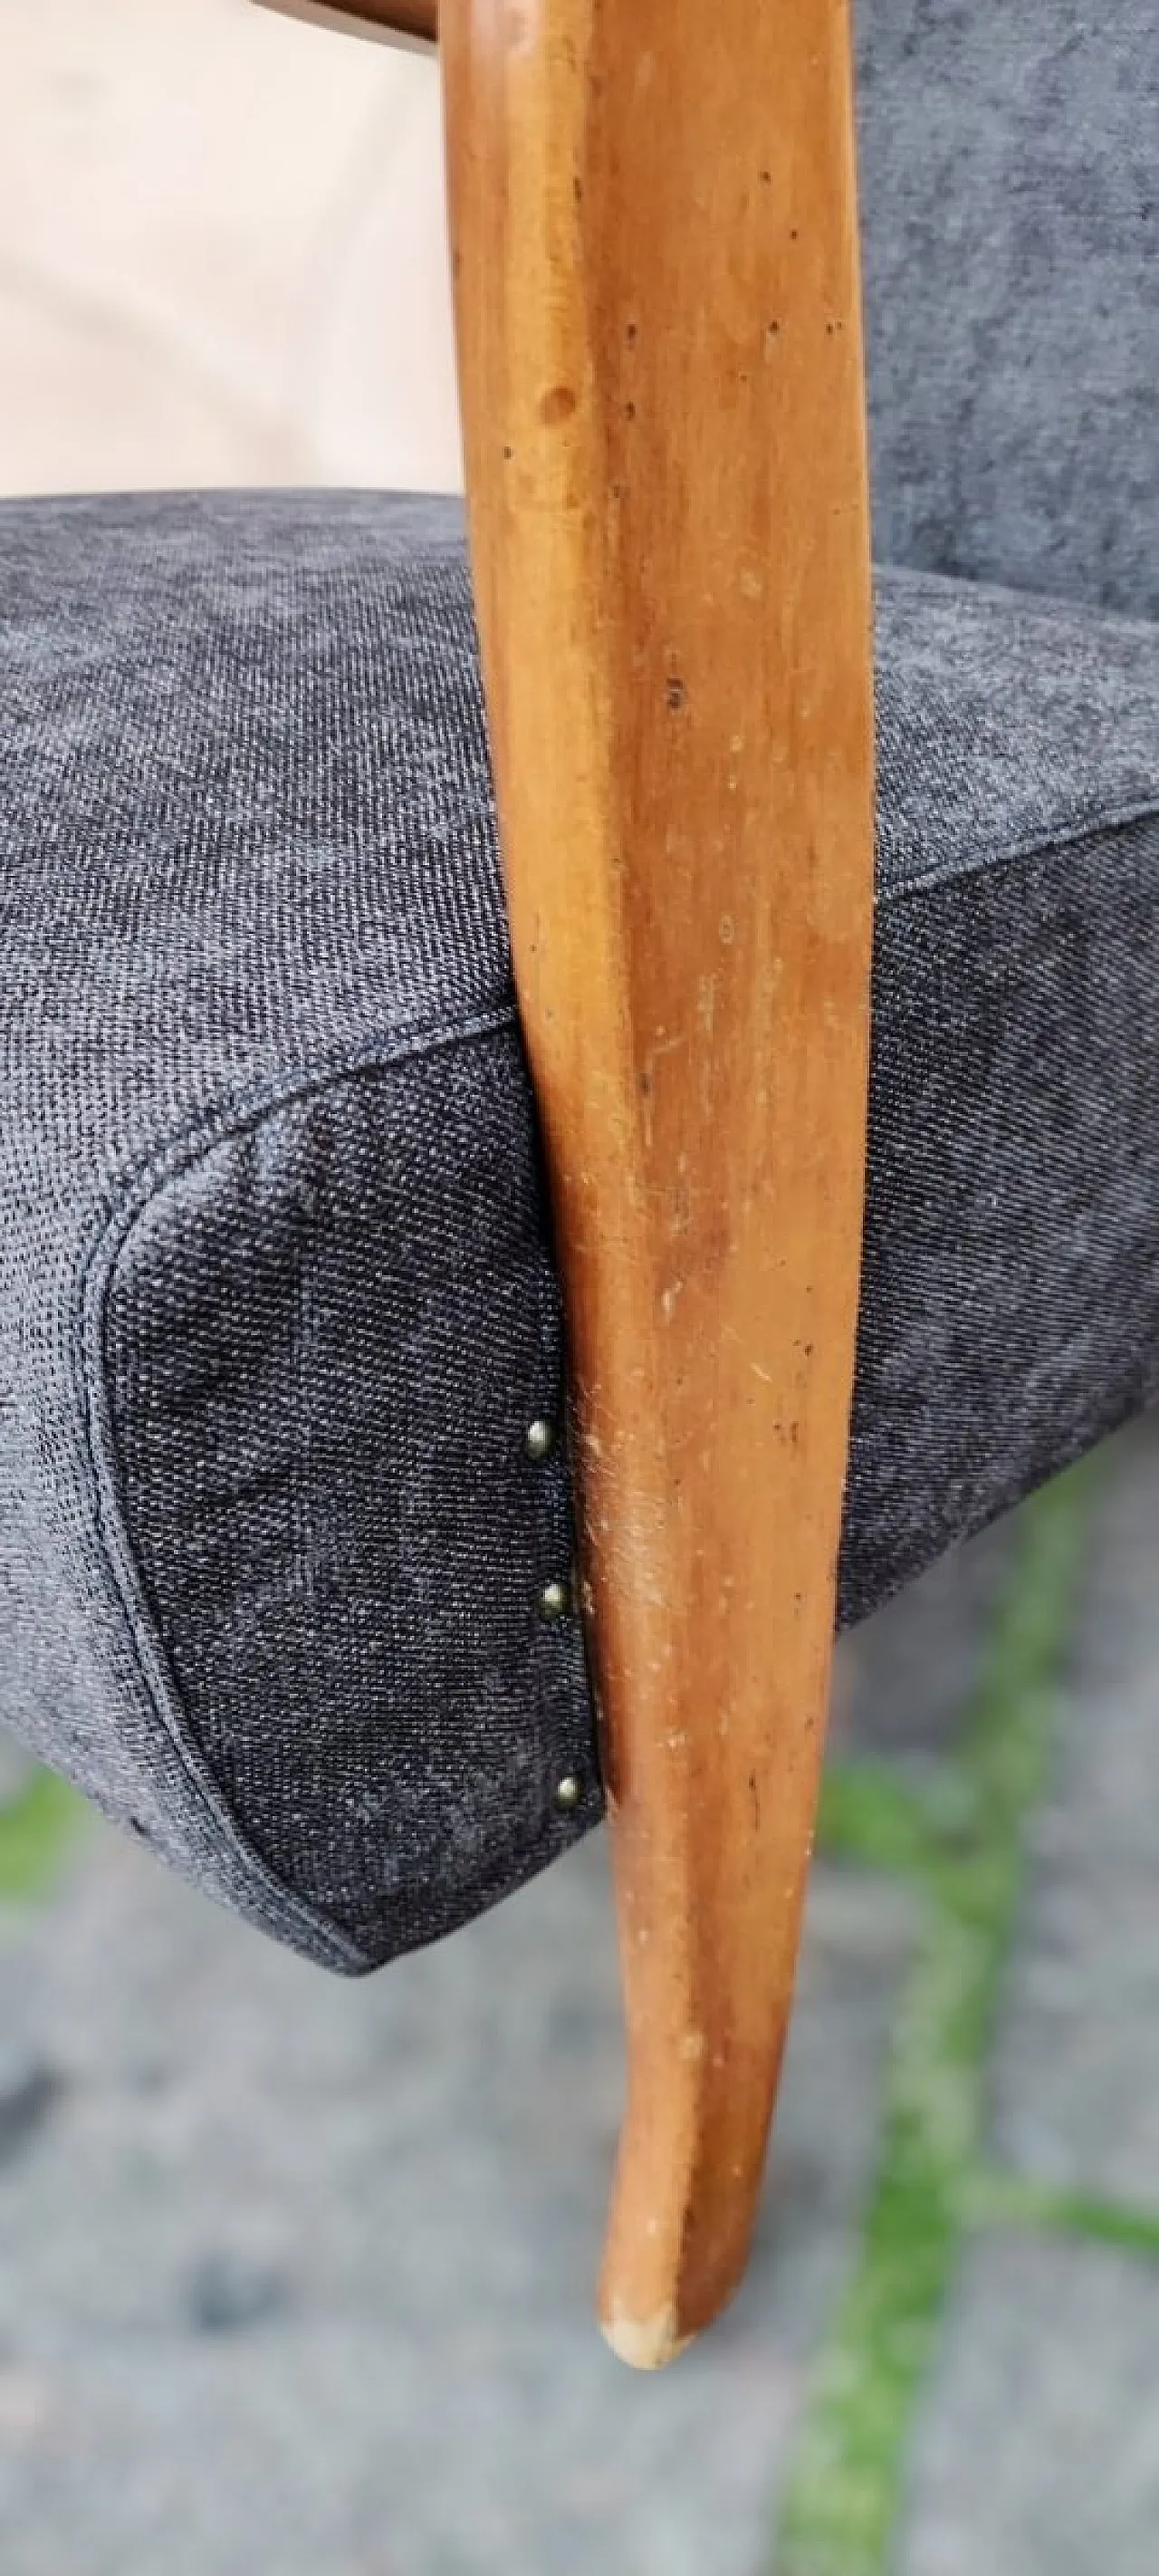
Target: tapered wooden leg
[[654, 237]]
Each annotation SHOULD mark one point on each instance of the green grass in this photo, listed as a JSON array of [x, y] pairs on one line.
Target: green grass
[[959, 1839], [1005, 2200], [33, 1833]]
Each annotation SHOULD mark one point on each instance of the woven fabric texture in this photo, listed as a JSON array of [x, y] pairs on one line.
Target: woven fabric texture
[[277, 1299], [1011, 229]]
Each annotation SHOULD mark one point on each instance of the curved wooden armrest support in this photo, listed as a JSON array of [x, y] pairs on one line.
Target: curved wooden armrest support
[[394, 22], [655, 259]]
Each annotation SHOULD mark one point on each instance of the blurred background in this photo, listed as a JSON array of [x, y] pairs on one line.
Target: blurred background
[[222, 253], [295, 2276]]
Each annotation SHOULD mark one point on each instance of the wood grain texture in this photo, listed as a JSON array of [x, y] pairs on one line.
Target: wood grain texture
[[655, 256], [398, 22]]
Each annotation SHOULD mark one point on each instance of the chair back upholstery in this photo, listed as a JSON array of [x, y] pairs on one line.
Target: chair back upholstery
[[1010, 195]]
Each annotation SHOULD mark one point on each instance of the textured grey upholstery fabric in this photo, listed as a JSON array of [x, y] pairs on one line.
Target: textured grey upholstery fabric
[[1011, 223], [1010, 1289], [274, 1288], [277, 1299]]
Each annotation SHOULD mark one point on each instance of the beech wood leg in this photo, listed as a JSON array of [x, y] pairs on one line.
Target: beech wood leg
[[655, 258]]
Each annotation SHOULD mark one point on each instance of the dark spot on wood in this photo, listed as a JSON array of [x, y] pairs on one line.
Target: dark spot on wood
[[629, 411], [676, 695], [557, 405], [632, 334]]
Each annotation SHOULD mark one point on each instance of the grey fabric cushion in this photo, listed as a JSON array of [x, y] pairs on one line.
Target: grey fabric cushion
[[1009, 160], [277, 1299]]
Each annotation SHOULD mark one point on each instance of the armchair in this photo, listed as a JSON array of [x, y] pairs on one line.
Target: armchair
[[322, 1137]]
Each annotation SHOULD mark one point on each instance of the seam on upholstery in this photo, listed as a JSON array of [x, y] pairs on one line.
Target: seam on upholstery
[[996, 598], [1036, 846], [179, 1155]]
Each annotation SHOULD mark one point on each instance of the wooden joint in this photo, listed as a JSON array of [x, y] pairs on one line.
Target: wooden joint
[[410, 25]]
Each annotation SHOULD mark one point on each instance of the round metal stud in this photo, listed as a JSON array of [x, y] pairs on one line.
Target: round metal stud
[[540, 1439], [555, 1601], [568, 1794]]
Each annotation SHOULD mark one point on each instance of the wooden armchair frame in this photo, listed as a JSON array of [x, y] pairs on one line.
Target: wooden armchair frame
[[655, 255]]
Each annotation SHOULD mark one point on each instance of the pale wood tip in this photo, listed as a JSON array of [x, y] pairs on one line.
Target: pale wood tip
[[645, 2343]]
